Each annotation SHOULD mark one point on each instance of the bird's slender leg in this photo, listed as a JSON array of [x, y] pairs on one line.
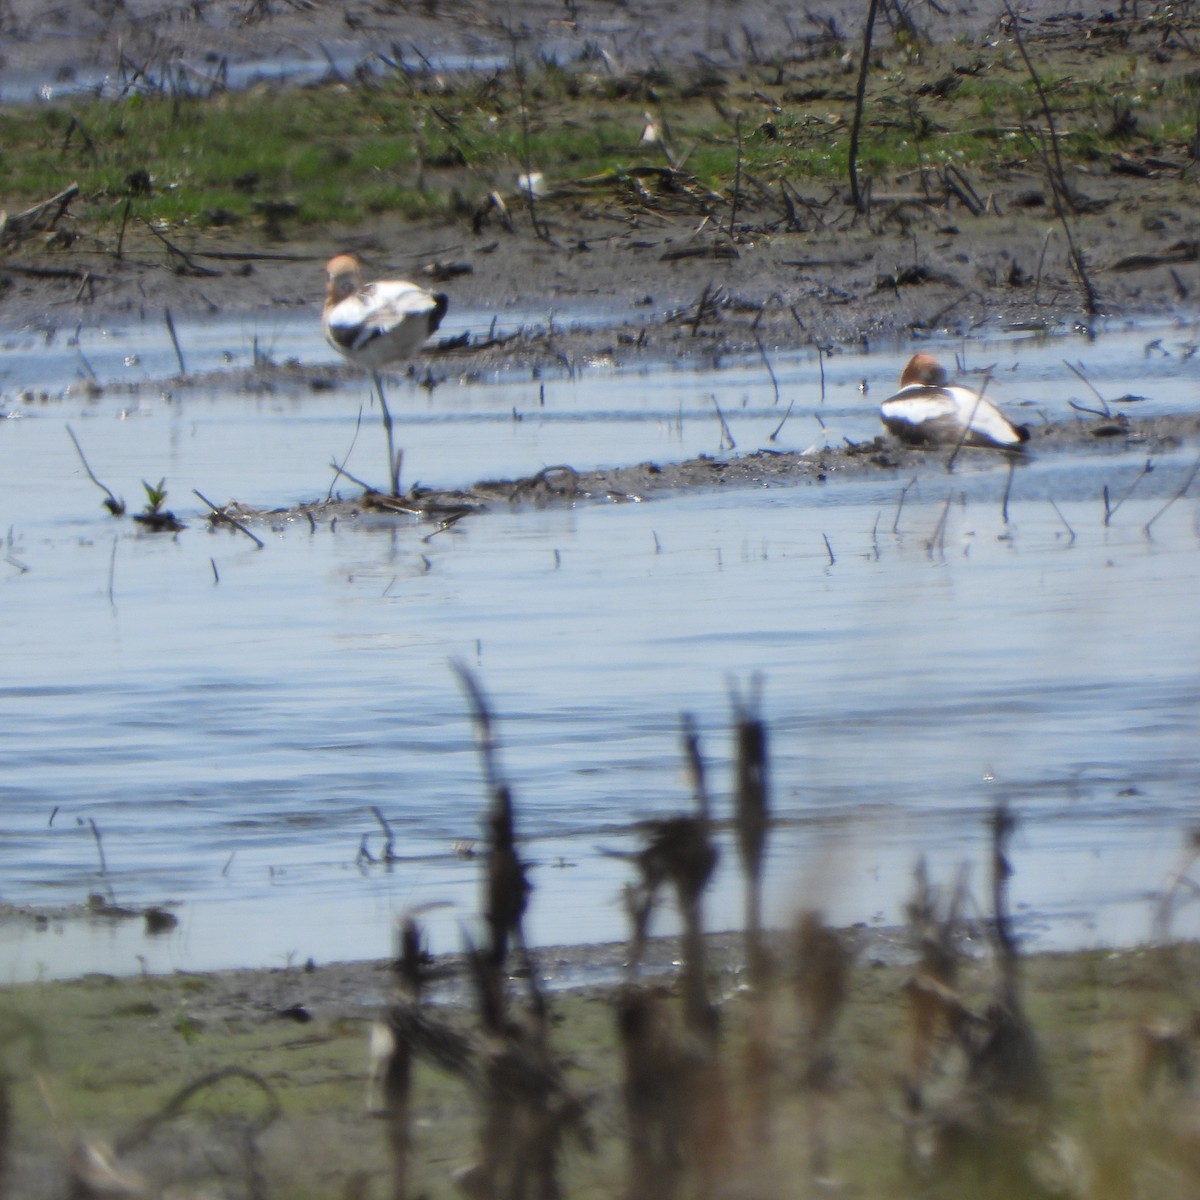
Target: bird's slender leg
[[393, 457]]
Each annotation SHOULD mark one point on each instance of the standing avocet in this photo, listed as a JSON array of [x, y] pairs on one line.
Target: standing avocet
[[376, 324]]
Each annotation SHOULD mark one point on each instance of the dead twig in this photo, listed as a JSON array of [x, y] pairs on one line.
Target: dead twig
[[220, 516], [726, 434], [1106, 411], [17, 226], [857, 198], [1110, 509], [190, 266], [1179, 494], [962, 437], [114, 506]]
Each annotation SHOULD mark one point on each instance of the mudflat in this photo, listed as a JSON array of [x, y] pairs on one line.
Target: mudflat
[[680, 268]]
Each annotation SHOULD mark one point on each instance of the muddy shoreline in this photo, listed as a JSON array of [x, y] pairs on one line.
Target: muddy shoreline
[[660, 271], [667, 292]]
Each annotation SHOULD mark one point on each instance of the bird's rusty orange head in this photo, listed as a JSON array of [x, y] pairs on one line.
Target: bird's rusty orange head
[[924, 369], [344, 274]]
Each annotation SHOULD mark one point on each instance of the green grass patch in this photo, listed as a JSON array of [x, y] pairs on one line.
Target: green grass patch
[[109, 1055], [340, 153]]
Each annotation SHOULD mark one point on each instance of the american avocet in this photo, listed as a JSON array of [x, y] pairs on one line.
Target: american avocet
[[930, 411], [376, 324]]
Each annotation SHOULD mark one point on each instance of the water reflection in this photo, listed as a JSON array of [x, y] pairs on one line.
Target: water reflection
[[228, 716]]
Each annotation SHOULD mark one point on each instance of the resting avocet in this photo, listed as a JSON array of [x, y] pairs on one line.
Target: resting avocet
[[930, 411], [376, 324]]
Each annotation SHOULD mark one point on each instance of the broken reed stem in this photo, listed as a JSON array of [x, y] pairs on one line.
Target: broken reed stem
[[1107, 412], [1058, 180], [751, 823], [701, 306], [856, 196], [1179, 494], [726, 433], [339, 469], [762, 353], [828, 549], [1091, 301], [397, 1092], [966, 429], [900, 503], [507, 886], [1003, 824], [112, 575], [1110, 510], [1012, 467], [223, 517], [518, 66], [174, 340], [937, 543], [394, 1053], [774, 434], [1056, 174], [1066, 524], [100, 851], [124, 223], [1180, 881], [737, 173], [388, 839], [1037, 283], [114, 506], [694, 760]]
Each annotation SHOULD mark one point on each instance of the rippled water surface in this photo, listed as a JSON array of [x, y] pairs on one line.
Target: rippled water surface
[[226, 716]]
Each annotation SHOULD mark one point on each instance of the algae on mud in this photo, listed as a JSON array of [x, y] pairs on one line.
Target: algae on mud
[[736, 193]]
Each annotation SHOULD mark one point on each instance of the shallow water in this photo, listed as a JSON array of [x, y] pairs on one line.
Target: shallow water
[[228, 716], [206, 76]]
